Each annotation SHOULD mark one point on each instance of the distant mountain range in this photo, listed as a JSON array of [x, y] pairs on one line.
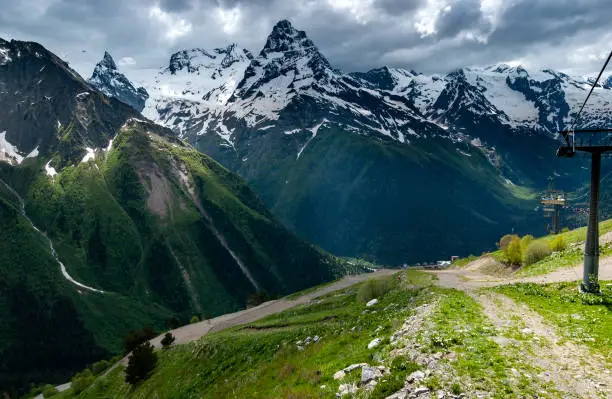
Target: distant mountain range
[[386, 163]]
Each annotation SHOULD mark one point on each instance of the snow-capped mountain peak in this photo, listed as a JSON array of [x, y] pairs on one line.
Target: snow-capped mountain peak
[[107, 78], [288, 55], [216, 91], [107, 62], [285, 38]]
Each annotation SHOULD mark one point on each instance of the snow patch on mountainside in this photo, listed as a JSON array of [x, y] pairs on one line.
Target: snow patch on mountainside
[[10, 153], [195, 82], [91, 155], [4, 56], [512, 103], [50, 170], [314, 131]]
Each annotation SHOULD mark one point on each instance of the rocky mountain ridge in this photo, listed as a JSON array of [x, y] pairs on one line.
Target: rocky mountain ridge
[[111, 82]]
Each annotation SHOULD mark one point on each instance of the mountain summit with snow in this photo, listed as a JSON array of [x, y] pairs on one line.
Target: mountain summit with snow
[[194, 82], [311, 138], [113, 83]]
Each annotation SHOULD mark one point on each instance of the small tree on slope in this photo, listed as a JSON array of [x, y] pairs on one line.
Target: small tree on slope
[[167, 340], [141, 363], [514, 253]]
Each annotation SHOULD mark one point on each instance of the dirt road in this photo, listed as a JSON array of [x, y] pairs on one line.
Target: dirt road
[[469, 278], [193, 332], [568, 366]]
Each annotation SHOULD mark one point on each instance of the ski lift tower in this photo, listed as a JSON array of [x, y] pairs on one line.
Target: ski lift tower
[[595, 142], [552, 202]]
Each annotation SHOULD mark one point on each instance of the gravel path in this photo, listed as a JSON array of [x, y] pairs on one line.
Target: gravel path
[[470, 278], [192, 332], [569, 366]]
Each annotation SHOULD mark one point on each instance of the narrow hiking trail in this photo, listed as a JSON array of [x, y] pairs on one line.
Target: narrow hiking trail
[[570, 367]]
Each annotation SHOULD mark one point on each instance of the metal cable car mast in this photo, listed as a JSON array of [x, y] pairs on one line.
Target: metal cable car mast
[[596, 142]]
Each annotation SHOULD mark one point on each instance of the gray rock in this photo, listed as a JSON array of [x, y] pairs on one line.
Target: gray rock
[[372, 303], [370, 374], [374, 343], [338, 375], [352, 367], [415, 376], [345, 389], [370, 386], [300, 348], [401, 394], [316, 338], [421, 391]]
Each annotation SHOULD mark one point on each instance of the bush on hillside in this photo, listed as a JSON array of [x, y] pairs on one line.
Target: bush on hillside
[[137, 337], [536, 251], [558, 244], [81, 381], [167, 340], [141, 363], [514, 252], [565, 230], [505, 241], [99, 367], [525, 241], [373, 288], [194, 319], [49, 391]]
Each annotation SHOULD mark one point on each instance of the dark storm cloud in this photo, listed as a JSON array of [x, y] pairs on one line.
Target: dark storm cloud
[[461, 16], [398, 7], [176, 5], [425, 35]]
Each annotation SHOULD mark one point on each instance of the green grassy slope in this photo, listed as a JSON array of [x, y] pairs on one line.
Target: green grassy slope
[[48, 329], [150, 223], [263, 360], [358, 196]]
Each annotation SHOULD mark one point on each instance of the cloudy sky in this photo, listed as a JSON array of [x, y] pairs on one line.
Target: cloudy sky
[[425, 35]]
